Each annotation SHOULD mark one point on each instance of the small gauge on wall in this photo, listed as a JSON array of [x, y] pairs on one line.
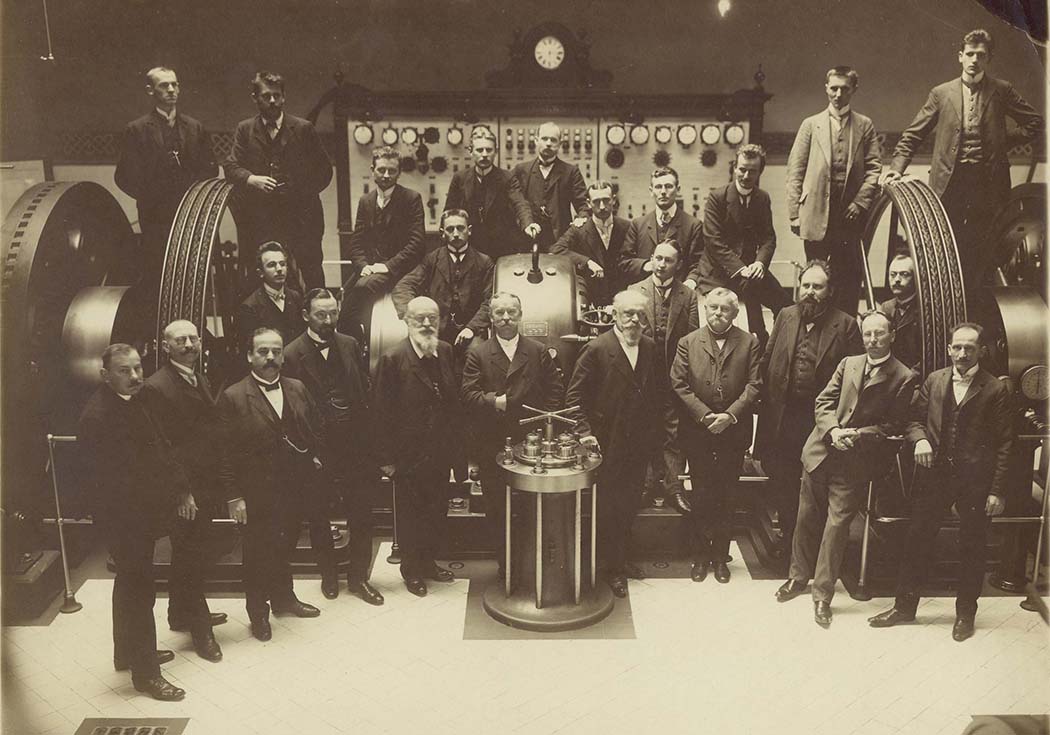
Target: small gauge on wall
[[549, 52], [1034, 384]]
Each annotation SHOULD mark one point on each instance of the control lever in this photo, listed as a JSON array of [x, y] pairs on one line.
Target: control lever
[[535, 275]]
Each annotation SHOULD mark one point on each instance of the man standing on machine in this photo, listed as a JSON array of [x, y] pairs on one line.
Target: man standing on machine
[[553, 188]]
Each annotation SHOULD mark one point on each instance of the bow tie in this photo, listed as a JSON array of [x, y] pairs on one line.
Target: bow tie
[[268, 386], [321, 344]]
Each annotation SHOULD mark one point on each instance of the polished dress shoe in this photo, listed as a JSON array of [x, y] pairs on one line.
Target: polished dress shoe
[[330, 586], [207, 647], [298, 608], [163, 657], [618, 584], [699, 571], [440, 574], [721, 572], [181, 626], [261, 630], [889, 618], [790, 590], [679, 503], [822, 613], [633, 571], [366, 592], [159, 688], [962, 629], [416, 586]]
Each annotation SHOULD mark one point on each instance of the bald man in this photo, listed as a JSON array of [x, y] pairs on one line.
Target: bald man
[[554, 189]]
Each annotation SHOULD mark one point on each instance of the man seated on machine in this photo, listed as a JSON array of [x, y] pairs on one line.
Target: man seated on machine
[[274, 304], [387, 242], [903, 311]]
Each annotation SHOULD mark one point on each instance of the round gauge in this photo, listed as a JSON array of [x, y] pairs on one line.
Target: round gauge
[[549, 53], [687, 134], [615, 134], [409, 136], [454, 136], [663, 135], [431, 135], [1034, 385], [389, 136], [639, 135], [363, 134], [734, 134], [710, 134]]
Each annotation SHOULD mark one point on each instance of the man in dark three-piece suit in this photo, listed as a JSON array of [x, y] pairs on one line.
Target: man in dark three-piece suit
[[903, 311], [279, 169], [594, 247], [865, 402], [274, 304]]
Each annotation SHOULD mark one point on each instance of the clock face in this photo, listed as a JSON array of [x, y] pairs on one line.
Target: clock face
[[549, 53]]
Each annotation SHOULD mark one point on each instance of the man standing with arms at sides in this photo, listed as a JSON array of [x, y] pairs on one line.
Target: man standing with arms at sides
[[595, 246], [270, 466], [274, 303], [667, 221], [715, 377], [415, 397], [493, 199], [162, 154], [832, 180], [502, 375], [180, 399], [903, 311], [134, 481], [330, 366], [279, 169], [739, 241], [866, 402], [552, 187], [670, 314], [962, 430], [808, 341], [970, 166], [387, 242], [614, 386]]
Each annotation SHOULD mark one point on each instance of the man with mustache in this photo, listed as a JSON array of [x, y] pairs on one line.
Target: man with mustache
[[134, 481], [274, 304], [808, 341], [180, 398], [501, 375], [271, 460], [619, 400], [595, 246], [415, 395], [903, 311]]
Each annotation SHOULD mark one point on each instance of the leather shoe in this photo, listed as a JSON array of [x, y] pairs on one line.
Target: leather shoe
[[889, 618], [822, 613], [962, 629], [440, 574], [207, 647], [160, 688], [298, 608], [790, 590], [366, 592], [679, 503], [261, 630], [330, 586], [618, 584], [181, 626], [721, 572], [163, 657], [633, 571], [416, 586], [699, 571]]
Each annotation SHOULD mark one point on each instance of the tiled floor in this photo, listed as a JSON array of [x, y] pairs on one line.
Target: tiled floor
[[707, 658]]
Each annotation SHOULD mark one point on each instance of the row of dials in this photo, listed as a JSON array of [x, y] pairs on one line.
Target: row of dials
[[686, 134], [364, 135]]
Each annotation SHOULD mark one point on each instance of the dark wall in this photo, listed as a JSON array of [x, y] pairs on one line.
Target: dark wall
[[900, 47]]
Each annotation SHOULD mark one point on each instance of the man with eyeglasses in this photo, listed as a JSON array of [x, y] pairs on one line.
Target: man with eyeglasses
[[961, 428], [619, 400], [271, 459], [180, 398], [332, 369]]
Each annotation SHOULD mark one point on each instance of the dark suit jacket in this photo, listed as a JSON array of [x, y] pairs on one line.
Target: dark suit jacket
[[907, 343], [942, 113], [839, 336], [618, 405], [563, 190], [707, 381], [533, 379], [582, 244], [258, 310], [734, 236], [983, 429], [254, 449], [642, 239], [146, 170], [400, 246], [433, 278], [130, 472], [497, 229], [412, 418], [878, 411], [683, 315], [302, 360]]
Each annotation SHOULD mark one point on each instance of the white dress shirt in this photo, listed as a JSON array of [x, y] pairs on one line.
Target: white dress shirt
[[277, 297], [383, 197], [666, 215], [185, 373], [316, 338], [837, 117], [961, 382], [275, 397], [545, 168], [168, 116], [277, 125], [630, 350], [604, 230], [509, 346]]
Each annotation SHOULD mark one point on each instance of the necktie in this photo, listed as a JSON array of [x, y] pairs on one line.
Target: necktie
[[868, 370], [321, 345], [271, 129], [268, 386], [665, 219], [191, 378]]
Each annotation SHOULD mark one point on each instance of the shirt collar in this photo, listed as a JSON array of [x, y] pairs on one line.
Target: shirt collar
[[876, 363], [967, 376], [908, 301], [717, 336], [279, 122], [546, 165], [844, 112], [977, 79], [665, 284], [273, 293], [122, 397], [452, 251], [741, 191], [265, 382], [314, 335], [181, 368], [385, 194], [482, 176], [168, 117], [622, 341], [671, 212], [602, 226], [509, 344]]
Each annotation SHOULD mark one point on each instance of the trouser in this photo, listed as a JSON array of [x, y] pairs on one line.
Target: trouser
[[829, 499], [714, 469], [668, 459], [971, 201], [134, 629], [766, 291], [619, 493], [186, 602], [783, 463], [353, 481], [841, 249], [934, 498], [422, 503], [358, 299]]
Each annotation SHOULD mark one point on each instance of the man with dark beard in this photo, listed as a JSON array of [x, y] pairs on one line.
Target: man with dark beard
[[808, 341], [903, 311]]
